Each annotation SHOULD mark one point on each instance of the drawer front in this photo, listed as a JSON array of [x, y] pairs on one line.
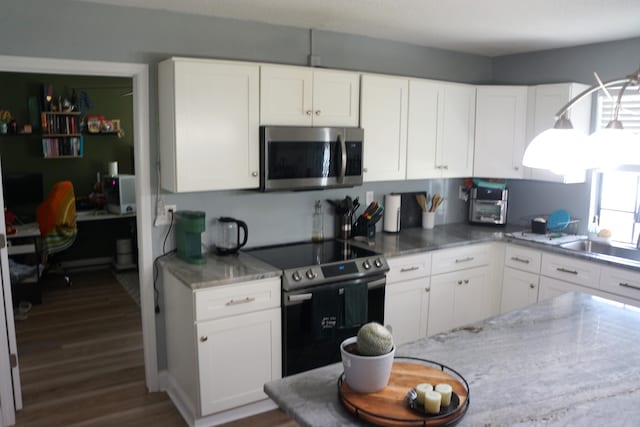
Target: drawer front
[[408, 267], [620, 282], [235, 299], [524, 259], [461, 258], [571, 270]]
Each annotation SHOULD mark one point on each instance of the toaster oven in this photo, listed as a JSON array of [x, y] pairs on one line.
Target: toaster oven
[[488, 206]]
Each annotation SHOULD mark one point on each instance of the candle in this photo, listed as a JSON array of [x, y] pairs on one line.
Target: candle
[[421, 389], [445, 391], [432, 402]]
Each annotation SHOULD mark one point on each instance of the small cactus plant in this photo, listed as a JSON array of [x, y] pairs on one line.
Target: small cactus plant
[[374, 340]]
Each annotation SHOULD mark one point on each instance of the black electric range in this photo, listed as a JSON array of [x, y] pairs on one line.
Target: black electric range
[[309, 264]]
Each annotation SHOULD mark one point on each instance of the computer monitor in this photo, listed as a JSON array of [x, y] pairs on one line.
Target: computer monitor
[[23, 194]]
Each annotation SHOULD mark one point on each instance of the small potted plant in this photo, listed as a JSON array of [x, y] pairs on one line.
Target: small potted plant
[[368, 358], [5, 118]]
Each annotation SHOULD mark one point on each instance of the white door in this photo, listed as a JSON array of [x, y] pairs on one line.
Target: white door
[[456, 129], [10, 388]]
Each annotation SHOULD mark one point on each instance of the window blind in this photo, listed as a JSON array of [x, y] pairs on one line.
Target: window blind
[[629, 113]]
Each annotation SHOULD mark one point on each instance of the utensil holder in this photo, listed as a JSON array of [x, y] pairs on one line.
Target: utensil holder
[[428, 220]]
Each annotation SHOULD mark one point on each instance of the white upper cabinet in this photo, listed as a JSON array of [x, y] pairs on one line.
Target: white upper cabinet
[[302, 96], [384, 120], [501, 115], [544, 101], [441, 129], [209, 121]]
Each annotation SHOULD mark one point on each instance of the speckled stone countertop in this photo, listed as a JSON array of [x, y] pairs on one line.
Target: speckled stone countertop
[[243, 267], [219, 270], [570, 360]]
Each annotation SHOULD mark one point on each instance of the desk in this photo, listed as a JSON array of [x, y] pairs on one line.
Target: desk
[[24, 240], [100, 215]]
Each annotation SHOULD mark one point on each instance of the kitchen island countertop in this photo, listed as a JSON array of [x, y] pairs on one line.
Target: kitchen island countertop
[[571, 360]]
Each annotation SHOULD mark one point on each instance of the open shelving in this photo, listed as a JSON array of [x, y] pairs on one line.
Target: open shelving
[[61, 137]]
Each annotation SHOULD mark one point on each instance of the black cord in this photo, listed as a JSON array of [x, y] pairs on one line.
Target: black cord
[[156, 293]]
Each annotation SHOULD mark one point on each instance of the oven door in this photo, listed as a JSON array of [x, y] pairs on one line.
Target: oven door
[[295, 158], [302, 348]]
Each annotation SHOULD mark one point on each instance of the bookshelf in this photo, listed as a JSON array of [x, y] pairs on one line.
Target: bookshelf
[[61, 137]]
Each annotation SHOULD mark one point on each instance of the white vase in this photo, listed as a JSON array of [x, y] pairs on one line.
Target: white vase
[[366, 374]]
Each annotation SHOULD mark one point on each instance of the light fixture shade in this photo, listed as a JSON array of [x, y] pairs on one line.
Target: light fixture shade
[[614, 146], [563, 151]]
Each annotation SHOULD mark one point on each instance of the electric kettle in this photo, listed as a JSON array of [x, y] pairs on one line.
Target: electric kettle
[[228, 241]]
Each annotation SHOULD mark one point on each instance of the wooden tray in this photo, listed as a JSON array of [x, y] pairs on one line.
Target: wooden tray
[[388, 407]]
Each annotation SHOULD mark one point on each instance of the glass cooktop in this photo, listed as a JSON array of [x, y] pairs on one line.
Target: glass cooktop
[[297, 255]]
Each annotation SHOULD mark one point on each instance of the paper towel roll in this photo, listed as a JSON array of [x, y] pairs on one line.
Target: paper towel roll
[[392, 213], [113, 168]]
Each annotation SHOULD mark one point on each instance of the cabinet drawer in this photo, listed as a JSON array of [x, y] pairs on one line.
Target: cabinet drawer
[[620, 282], [460, 258], [237, 298], [522, 258], [571, 270], [408, 267]]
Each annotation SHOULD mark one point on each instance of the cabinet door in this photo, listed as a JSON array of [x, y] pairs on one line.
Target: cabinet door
[[406, 308], [422, 130], [551, 288], [441, 303], [456, 124], [285, 96], [208, 125], [519, 289], [236, 356], [384, 119], [545, 103], [336, 98], [472, 296], [501, 113]]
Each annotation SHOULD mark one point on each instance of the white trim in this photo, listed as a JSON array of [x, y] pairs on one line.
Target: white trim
[[140, 75]]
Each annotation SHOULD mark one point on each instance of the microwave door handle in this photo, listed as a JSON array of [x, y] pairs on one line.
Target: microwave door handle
[[343, 167]]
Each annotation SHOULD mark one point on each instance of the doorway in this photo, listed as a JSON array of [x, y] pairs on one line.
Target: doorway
[[10, 390]]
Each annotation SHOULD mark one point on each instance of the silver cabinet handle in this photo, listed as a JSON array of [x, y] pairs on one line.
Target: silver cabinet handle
[[240, 301], [254, 173], [532, 286], [516, 167], [407, 269], [469, 258], [459, 282], [365, 170], [626, 285], [466, 281], [427, 289], [318, 112], [515, 258], [308, 112], [445, 167], [204, 338], [300, 297], [564, 270]]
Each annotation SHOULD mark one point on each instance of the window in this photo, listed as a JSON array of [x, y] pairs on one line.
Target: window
[[616, 196]]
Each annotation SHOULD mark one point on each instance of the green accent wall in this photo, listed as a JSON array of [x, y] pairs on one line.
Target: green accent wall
[[110, 97]]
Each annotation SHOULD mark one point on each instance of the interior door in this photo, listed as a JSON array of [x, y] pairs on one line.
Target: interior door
[[10, 388]]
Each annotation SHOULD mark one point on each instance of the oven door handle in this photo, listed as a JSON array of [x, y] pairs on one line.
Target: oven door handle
[[299, 297]]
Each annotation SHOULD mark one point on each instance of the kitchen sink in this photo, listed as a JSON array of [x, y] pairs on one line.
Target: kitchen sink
[[603, 249]]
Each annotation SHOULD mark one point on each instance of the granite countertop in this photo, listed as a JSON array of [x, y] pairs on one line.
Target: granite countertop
[[219, 270], [571, 360]]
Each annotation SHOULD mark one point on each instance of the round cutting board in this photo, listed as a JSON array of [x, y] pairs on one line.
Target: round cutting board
[[388, 407]]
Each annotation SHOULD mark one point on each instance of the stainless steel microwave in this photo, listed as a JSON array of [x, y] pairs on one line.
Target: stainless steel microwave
[[308, 158]]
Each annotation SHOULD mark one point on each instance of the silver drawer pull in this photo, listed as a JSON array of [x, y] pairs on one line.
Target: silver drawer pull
[[407, 269], [240, 301], [626, 285], [564, 270], [469, 258], [515, 258], [300, 297], [204, 338], [532, 286]]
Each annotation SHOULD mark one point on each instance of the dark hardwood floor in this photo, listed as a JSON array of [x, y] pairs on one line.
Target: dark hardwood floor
[[82, 364]]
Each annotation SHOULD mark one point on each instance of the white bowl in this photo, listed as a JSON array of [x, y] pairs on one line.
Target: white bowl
[[366, 374]]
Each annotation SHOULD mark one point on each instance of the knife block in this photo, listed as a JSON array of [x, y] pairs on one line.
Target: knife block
[[362, 227]]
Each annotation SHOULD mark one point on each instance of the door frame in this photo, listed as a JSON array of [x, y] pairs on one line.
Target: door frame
[[140, 75]]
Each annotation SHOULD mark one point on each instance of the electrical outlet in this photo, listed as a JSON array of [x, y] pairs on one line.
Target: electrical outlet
[[165, 219], [463, 194], [368, 198]]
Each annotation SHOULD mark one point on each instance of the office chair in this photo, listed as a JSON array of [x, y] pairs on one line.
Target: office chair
[[56, 217]]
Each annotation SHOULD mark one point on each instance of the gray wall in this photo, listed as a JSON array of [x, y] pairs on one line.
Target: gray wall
[[610, 60]]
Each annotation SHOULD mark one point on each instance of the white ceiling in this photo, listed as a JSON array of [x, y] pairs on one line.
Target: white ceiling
[[484, 27]]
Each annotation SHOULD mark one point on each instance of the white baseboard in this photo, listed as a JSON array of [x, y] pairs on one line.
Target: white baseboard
[[186, 409]]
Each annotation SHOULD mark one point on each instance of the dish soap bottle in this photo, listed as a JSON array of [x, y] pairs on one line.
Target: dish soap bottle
[[593, 228], [317, 232]]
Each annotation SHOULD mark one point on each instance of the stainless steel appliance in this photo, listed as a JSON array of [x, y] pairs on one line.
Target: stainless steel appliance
[[488, 205], [299, 158], [120, 192], [318, 284]]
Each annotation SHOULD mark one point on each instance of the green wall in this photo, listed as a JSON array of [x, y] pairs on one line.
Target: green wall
[[23, 153]]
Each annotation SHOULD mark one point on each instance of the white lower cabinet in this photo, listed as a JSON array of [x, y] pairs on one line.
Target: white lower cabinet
[[519, 289], [459, 298], [223, 343], [406, 304], [551, 288], [622, 283]]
